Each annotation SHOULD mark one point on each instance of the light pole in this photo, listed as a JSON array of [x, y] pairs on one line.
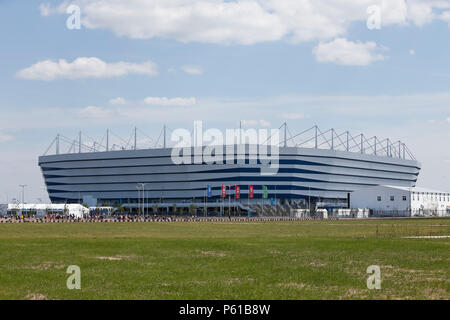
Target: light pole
[[142, 185], [229, 202], [23, 195], [23, 192], [139, 198], [309, 201]]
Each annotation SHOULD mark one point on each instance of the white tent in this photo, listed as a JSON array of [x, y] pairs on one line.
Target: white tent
[[76, 210]]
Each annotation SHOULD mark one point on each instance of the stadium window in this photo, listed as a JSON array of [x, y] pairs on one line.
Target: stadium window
[[379, 198], [392, 198], [404, 198]]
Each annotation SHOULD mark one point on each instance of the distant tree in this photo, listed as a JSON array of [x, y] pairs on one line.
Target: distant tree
[[120, 208], [192, 209], [174, 208]]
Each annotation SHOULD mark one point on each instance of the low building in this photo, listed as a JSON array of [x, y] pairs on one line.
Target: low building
[[42, 209], [401, 201]]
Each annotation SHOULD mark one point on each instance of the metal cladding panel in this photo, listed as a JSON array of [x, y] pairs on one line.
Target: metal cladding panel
[[302, 172]]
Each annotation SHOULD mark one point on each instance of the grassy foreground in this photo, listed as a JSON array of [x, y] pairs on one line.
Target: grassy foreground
[[238, 260]]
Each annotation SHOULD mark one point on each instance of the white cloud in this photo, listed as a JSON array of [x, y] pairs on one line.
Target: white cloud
[[264, 123], [445, 16], [163, 101], [84, 68], [193, 70], [93, 112], [118, 100], [448, 120], [412, 52], [347, 53], [255, 123], [46, 9], [421, 12], [293, 116], [246, 21], [5, 138]]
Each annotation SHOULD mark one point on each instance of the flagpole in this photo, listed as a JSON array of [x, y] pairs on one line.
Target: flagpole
[[248, 201], [229, 202], [262, 200], [235, 199]]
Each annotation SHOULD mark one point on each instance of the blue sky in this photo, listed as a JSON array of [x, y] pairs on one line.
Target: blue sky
[[255, 63]]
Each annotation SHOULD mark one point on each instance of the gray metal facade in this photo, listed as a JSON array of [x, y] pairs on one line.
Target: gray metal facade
[[113, 176]]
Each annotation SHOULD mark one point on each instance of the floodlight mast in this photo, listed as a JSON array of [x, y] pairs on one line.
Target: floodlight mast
[[23, 194], [142, 185], [164, 143], [135, 138]]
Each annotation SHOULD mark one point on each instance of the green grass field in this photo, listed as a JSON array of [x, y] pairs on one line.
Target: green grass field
[[266, 260]]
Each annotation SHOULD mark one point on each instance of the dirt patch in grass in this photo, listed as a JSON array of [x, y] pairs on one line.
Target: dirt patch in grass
[[213, 253], [317, 264], [353, 293], [116, 258], [237, 280], [46, 266], [293, 285], [35, 296], [436, 293], [110, 258]]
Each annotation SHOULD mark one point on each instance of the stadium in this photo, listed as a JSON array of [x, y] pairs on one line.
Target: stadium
[[316, 168]]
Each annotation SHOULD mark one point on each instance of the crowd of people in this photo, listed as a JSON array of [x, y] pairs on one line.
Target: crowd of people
[[60, 218]]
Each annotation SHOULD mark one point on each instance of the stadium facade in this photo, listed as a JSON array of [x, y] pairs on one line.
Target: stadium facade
[[303, 175]]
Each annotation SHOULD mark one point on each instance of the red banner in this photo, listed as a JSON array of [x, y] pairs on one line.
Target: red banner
[[238, 192], [224, 191], [250, 192]]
